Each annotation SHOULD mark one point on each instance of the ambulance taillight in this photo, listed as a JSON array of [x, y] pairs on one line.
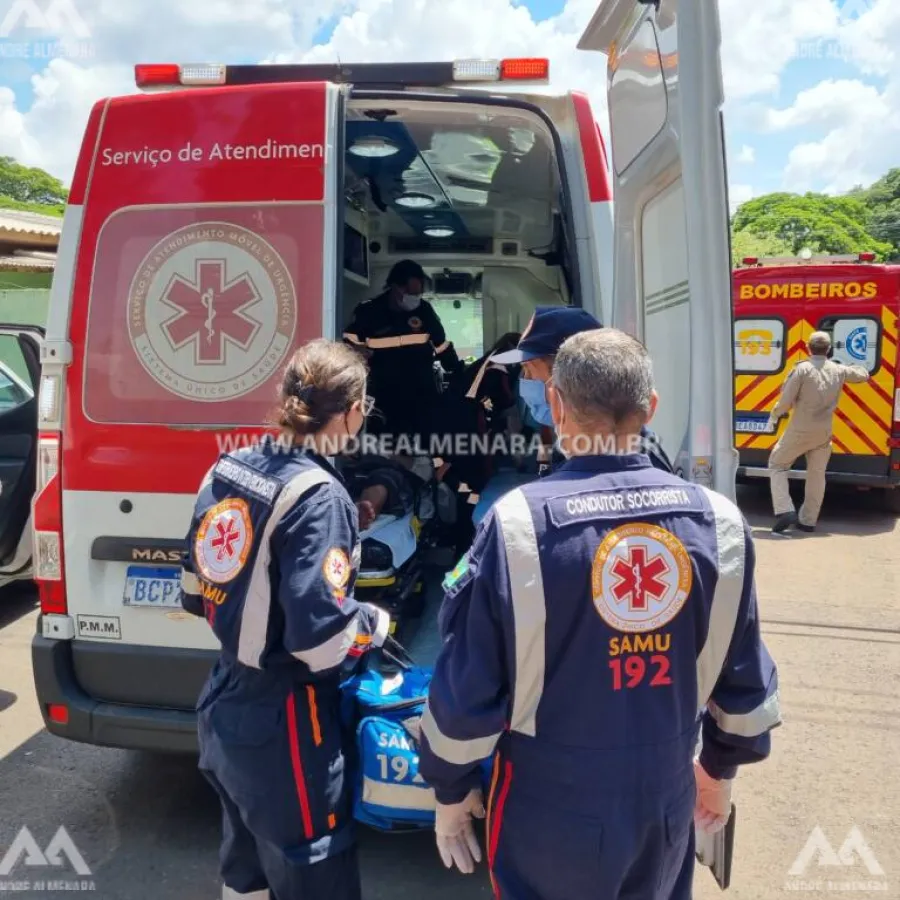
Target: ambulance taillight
[[46, 514]]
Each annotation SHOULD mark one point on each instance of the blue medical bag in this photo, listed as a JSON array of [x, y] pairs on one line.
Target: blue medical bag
[[389, 794]]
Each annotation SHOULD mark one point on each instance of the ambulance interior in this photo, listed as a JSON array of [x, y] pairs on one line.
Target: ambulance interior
[[473, 193]]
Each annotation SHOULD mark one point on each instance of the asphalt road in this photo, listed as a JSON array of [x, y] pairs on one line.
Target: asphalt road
[[148, 826]]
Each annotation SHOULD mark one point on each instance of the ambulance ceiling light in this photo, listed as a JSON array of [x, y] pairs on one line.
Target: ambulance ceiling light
[[373, 148], [415, 200], [439, 232]]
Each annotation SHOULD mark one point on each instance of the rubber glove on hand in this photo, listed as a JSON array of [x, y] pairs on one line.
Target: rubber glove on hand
[[456, 840], [772, 424], [713, 805]]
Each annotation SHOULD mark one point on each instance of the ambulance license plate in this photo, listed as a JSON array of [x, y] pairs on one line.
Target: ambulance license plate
[[152, 586]]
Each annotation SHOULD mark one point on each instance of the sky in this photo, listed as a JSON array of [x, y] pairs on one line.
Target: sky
[[812, 87]]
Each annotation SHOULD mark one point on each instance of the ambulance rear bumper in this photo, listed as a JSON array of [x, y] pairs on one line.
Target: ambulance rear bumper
[[99, 686]]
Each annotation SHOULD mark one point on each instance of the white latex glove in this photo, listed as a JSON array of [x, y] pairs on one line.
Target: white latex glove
[[713, 801], [772, 424], [456, 840]]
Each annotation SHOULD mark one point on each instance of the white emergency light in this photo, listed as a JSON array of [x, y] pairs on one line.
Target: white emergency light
[[476, 70], [437, 232]]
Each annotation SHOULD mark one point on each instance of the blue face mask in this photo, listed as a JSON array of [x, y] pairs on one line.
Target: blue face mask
[[532, 391]]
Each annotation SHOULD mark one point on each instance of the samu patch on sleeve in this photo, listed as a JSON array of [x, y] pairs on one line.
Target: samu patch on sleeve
[[455, 575]]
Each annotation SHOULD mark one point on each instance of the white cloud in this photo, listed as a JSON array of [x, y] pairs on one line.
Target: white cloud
[[849, 124], [738, 194]]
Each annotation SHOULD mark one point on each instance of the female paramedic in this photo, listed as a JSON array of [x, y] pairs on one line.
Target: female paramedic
[[271, 558]]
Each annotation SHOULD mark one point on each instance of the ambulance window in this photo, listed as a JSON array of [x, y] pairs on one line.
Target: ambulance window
[[637, 97], [758, 345], [14, 376], [855, 340], [193, 315]]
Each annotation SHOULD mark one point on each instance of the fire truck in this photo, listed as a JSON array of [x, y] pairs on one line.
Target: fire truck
[[778, 304]]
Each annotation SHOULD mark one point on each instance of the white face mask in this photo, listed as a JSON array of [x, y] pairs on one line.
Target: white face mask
[[409, 302]]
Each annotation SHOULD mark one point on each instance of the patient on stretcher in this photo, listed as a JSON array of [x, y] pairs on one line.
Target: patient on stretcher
[[383, 486]]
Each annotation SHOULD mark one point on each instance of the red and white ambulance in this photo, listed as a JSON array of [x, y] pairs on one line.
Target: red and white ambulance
[[233, 212]]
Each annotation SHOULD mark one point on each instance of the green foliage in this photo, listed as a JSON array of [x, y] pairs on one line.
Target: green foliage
[[30, 189], [825, 224], [746, 243], [57, 209], [866, 219]]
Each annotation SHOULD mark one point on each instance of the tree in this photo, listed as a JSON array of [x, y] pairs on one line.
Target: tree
[[824, 224], [882, 201], [746, 243], [22, 187]]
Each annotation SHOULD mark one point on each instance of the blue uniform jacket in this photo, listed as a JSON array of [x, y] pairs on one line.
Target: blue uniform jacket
[[604, 616], [272, 556]]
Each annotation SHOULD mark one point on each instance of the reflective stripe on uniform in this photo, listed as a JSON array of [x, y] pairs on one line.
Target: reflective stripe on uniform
[[456, 752], [731, 552], [441, 348], [231, 894], [526, 586], [332, 652], [190, 583], [258, 602], [397, 796], [751, 724], [354, 339], [400, 340]]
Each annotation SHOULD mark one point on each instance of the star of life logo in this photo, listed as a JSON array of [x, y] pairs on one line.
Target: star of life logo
[[61, 857], [212, 311], [852, 868], [27, 24], [641, 577]]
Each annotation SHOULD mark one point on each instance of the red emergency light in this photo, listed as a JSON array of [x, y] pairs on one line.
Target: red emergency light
[[524, 69], [867, 257], [751, 260]]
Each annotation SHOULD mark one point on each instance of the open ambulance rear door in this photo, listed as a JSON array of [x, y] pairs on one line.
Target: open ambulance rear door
[[672, 274]]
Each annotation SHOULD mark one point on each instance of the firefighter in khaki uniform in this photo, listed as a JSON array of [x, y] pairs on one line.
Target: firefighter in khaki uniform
[[604, 618], [812, 391]]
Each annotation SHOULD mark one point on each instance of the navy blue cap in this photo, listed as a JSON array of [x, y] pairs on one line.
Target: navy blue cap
[[549, 327]]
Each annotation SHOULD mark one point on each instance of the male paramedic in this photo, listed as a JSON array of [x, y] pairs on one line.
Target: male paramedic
[[402, 337], [548, 328], [603, 620], [812, 390]]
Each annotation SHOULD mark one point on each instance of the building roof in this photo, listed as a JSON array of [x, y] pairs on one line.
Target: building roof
[[27, 261], [20, 222]]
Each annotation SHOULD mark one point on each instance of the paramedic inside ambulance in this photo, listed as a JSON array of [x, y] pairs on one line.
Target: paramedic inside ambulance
[[604, 619], [402, 337], [271, 564]]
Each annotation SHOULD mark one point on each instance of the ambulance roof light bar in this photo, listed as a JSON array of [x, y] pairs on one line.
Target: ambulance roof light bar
[[162, 76]]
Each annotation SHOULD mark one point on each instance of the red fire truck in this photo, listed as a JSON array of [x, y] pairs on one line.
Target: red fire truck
[[778, 303]]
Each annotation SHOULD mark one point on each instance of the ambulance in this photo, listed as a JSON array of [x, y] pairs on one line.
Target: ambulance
[[228, 213], [778, 304]]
